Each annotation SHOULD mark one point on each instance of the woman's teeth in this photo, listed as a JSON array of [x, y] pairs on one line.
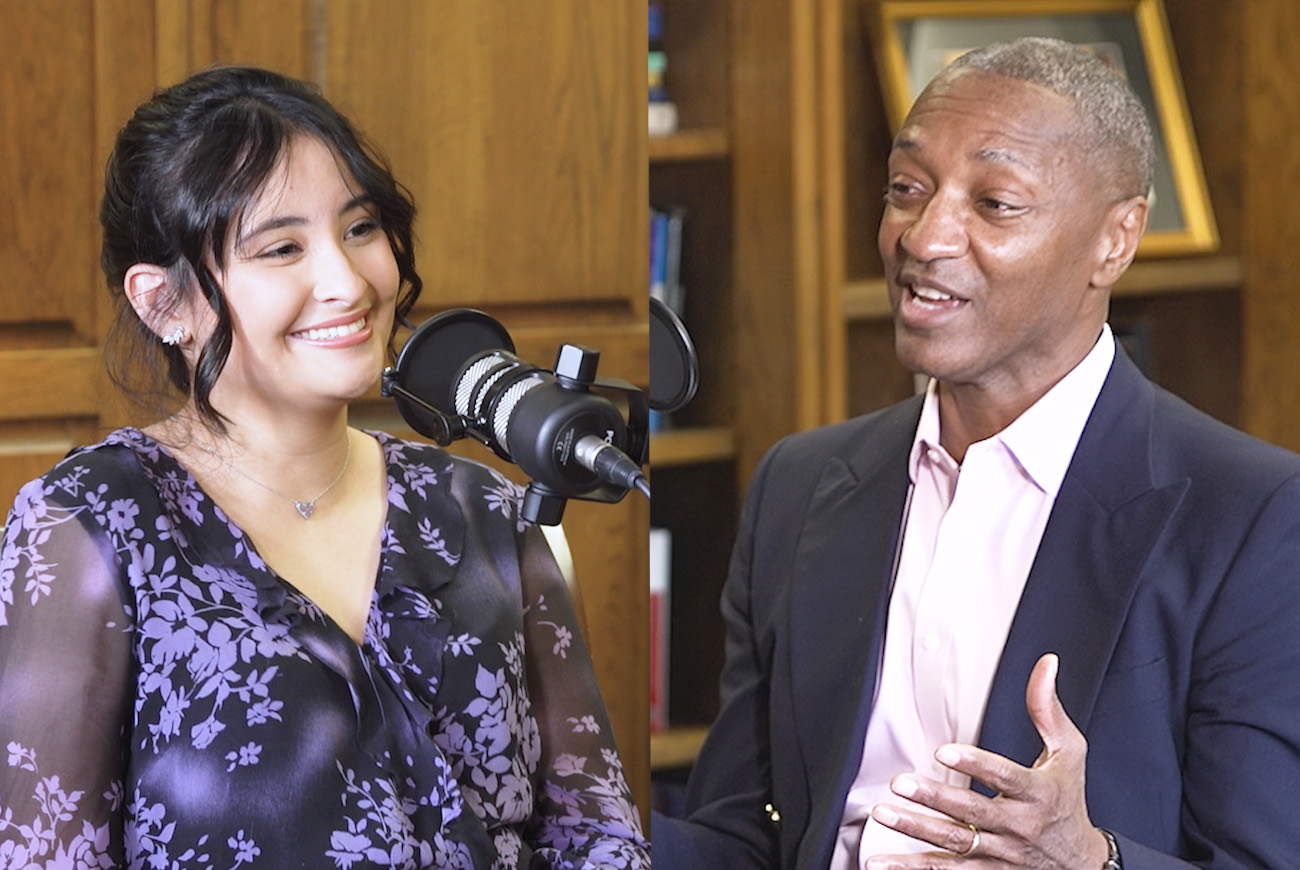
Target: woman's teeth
[[334, 331]]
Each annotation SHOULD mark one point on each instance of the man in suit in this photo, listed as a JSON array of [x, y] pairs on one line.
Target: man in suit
[[1046, 615]]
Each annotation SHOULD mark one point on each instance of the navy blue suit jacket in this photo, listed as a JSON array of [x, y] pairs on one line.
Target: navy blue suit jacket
[[1168, 580]]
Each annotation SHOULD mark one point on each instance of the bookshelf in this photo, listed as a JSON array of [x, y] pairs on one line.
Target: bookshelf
[[693, 461], [743, 166]]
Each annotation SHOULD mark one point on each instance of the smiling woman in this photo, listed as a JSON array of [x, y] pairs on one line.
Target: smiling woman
[[251, 633], [309, 274]]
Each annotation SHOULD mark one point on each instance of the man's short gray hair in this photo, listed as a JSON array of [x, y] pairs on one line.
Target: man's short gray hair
[[1113, 122]]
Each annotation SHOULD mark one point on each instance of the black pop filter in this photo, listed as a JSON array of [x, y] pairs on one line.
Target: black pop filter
[[674, 366], [431, 360]]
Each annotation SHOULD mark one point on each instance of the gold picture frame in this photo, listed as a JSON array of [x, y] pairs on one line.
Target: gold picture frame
[[914, 39]]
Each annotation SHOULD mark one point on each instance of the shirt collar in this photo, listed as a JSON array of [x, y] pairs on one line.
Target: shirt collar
[[1043, 438]]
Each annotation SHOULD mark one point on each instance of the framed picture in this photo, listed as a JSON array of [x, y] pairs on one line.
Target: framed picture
[[914, 39]]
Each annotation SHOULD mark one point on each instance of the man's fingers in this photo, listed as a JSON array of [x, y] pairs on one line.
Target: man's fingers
[[997, 772], [1039, 811], [1051, 721], [1058, 732], [943, 833]]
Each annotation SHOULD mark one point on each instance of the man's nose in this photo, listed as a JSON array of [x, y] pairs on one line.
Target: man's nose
[[937, 231]]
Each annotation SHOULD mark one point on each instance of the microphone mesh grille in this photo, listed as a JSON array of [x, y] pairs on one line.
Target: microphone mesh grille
[[506, 406], [469, 382]]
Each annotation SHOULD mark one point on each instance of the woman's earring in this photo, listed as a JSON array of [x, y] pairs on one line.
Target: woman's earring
[[175, 337]]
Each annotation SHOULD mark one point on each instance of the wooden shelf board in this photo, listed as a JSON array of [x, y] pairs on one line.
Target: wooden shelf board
[[866, 300], [1194, 275], [692, 446], [676, 747], [690, 145], [869, 300]]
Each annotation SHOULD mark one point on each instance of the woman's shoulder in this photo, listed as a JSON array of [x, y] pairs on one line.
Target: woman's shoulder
[[108, 487], [122, 461]]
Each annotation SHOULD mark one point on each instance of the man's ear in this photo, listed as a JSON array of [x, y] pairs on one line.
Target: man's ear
[[147, 289], [1125, 222]]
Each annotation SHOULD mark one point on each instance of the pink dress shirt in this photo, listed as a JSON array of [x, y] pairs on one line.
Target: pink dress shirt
[[969, 538]]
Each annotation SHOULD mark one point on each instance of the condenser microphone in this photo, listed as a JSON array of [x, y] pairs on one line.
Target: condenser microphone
[[458, 376], [546, 423]]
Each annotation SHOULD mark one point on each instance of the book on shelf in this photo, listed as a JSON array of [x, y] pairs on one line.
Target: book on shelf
[[663, 112], [661, 119], [660, 583], [666, 257], [665, 274]]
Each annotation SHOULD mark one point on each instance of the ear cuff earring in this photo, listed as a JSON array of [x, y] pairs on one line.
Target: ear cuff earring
[[175, 337]]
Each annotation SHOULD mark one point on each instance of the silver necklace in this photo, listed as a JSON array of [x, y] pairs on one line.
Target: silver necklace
[[305, 508]]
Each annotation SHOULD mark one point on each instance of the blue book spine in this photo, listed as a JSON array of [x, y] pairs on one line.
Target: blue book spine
[[658, 253]]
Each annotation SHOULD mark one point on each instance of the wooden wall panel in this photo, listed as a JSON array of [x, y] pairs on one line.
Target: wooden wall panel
[[67, 73], [519, 129], [47, 240], [193, 34], [1271, 226], [124, 76], [46, 384], [778, 300], [1208, 38]]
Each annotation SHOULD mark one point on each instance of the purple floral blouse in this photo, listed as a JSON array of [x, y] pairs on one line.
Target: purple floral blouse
[[167, 701]]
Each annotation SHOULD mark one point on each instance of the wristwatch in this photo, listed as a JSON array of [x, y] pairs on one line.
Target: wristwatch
[[1112, 856]]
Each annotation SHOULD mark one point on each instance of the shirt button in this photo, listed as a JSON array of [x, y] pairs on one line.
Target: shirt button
[[930, 642]]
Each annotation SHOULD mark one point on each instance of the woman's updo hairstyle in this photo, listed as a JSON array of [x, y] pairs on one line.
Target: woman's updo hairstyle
[[182, 172]]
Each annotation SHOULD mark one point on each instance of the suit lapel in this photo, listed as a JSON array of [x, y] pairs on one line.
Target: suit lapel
[[1106, 519], [842, 571]]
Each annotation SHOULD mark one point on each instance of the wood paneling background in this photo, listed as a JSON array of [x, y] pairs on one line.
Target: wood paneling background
[[519, 127], [1270, 179]]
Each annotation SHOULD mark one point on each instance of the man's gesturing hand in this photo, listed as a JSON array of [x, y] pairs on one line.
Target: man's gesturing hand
[[1039, 818]]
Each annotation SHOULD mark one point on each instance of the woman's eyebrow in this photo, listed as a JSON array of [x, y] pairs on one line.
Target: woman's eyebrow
[[279, 222]]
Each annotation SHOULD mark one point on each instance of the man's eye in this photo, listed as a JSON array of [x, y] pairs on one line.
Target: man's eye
[[898, 190], [999, 206]]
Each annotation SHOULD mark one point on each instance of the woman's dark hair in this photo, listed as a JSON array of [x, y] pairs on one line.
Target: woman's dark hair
[[182, 172]]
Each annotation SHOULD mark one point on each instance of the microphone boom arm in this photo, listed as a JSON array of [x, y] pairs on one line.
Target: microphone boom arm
[[446, 428]]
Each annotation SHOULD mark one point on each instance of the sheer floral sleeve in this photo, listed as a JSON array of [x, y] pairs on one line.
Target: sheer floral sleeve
[[584, 814], [65, 672]]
